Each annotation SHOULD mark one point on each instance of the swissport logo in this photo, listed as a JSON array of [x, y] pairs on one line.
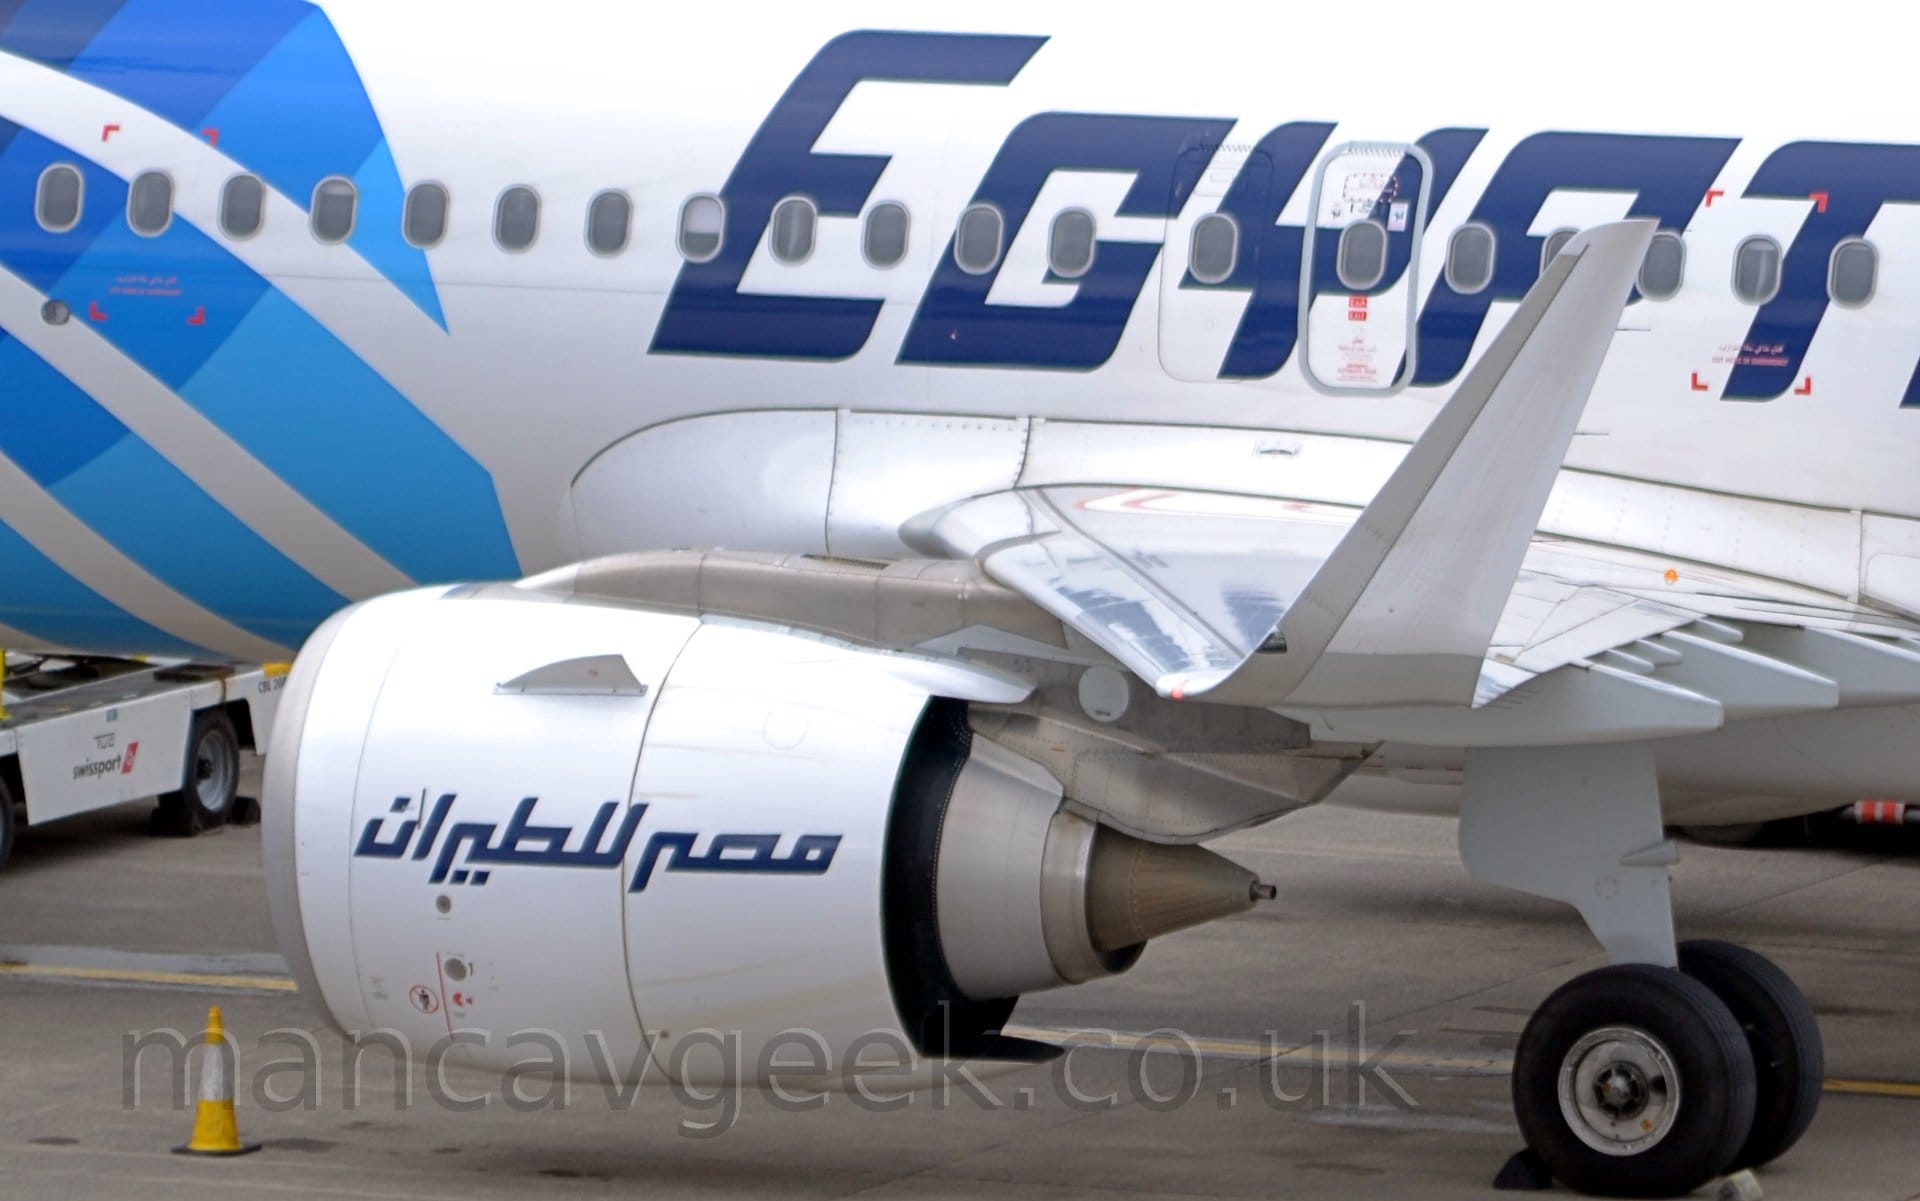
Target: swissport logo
[[121, 764]]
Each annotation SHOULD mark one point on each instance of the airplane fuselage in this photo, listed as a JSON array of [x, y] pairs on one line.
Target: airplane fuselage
[[790, 289]]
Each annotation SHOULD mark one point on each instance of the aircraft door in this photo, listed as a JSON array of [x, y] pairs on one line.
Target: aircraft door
[[1209, 259], [1361, 266]]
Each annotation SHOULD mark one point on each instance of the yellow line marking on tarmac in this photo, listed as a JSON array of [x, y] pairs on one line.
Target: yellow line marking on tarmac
[[1875, 1088], [1250, 1049], [1116, 1040], [101, 975]]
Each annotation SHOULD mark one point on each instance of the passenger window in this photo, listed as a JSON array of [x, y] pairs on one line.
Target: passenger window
[[609, 223], [1215, 250], [884, 241], [1756, 270], [1555, 243], [243, 206], [1070, 247], [1362, 261], [1854, 274], [424, 220], [516, 219], [979, 239], [57, 203], [1470, 259], [1665, 267], [150, 204], [703, 222], [790, 233], [335, 202]]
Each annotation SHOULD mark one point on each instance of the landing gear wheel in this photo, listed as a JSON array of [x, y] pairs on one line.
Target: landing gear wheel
[[1634, 1081], [205, 798], [1789, 1059]]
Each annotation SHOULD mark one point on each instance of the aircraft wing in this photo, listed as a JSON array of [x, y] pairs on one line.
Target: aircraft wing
[[1438, 595]]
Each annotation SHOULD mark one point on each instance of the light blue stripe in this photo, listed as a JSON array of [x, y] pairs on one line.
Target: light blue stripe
[[41, 600], [206, 324], [152, 513], [345, 438]]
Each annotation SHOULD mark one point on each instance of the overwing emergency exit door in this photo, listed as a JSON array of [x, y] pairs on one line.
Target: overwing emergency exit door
[[1361, 267]]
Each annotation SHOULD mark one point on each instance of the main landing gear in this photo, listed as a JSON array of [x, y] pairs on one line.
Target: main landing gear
[[1673, 1065]]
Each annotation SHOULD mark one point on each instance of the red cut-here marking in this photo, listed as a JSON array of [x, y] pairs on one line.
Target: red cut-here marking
[[107, 132], [1805, 388], [1819, 200], [1714, 194], [1699, 385], [212, 136], [199, 316], [95, 312]]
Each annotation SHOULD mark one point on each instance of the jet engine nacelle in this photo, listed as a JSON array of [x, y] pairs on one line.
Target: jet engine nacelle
[[497, 816]]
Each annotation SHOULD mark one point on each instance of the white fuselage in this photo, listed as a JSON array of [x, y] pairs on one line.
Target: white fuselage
[[622, 401]]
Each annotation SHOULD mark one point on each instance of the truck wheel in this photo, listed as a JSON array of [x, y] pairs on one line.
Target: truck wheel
[[205, 799], [9, 822]]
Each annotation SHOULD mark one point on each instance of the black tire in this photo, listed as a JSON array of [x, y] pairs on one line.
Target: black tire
[[1691, 1092], [9, 821], [204, 800], [1746, 834], [1789, 1056]]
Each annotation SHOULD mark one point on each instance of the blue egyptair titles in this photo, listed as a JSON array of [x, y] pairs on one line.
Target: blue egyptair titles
[[1664, 178], [471, 851]]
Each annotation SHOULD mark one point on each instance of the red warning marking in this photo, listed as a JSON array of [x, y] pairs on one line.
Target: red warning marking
[[1356, 308], [95, 312], [1714, 194], [1880, 813], [1819, 200], [1699, 385], [1805, 388], [107, 132], [199, 316], [212, 136]]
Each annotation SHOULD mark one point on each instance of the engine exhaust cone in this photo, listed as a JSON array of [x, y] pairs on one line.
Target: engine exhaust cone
[[1137, 890]]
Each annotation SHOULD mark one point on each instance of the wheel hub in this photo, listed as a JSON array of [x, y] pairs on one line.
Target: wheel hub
[[1619, 1090], [212, 778]]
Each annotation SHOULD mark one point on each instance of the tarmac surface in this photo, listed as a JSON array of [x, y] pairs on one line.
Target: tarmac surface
[[1249, 1089]]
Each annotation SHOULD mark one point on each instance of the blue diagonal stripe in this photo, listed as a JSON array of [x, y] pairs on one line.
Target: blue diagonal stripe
[[55, 32], [271, 76], [147, 508], [39, 598], [301, 401]]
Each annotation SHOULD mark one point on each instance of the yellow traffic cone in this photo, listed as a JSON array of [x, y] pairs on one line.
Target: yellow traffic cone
[[215, 1129]]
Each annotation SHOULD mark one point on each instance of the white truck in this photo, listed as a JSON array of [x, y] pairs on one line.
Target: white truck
[[79, 734]]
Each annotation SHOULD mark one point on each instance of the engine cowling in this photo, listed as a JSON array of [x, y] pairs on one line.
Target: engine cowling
[[491, 813]]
